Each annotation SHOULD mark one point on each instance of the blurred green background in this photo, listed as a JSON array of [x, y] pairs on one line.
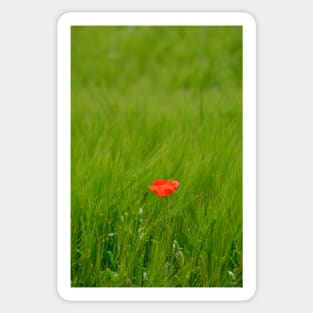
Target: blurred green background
[[153, 103]]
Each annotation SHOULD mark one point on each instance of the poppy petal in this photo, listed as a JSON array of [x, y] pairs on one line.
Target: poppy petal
[[174, 183], [154, 189], [159, 182], [163, 187], [168, 190]]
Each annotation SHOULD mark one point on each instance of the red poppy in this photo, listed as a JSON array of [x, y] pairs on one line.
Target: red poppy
[[163, 188]]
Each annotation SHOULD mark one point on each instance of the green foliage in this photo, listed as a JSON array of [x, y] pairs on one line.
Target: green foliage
[[156, 103]]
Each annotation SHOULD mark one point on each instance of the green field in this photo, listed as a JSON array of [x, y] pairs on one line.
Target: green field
[[153, 103]]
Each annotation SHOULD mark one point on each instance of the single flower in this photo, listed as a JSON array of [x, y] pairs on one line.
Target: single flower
[[163, 188]]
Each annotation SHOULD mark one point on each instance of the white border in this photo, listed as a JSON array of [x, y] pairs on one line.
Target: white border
[[64, 162]]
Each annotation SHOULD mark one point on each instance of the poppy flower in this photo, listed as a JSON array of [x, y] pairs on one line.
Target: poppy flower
[[163, 188]]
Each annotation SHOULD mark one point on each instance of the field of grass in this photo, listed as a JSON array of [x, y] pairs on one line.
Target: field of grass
[[156, 103]]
